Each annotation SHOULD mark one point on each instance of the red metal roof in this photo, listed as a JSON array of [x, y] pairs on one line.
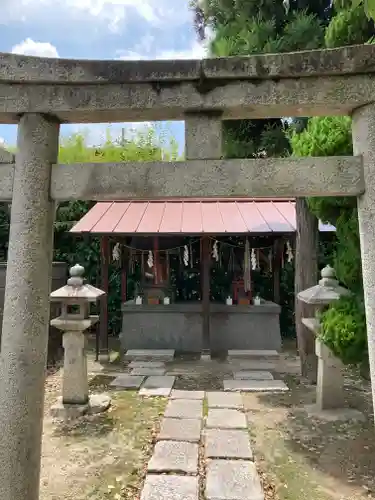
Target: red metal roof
[[191, 216]]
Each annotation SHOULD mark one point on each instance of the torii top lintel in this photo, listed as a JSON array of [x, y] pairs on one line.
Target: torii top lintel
[[307, 83]]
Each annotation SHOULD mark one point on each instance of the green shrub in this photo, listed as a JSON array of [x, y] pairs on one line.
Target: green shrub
[[343, 329]]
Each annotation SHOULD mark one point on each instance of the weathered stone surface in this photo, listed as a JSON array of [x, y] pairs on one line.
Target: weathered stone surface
[[174, 456], [68, 412], [98, 403], [253, 364], [157, 386], [195, 395], [253, 375], [145, 371], [26, 309], [126, 381], [220, 443], [149, 101], [344, 60], [249, 354], [335, 415], [255, 385], [232, 480], [203, 136], [224, 400], [146, 364], [177, 429], [363, 131], [184, 408], [223, 418], [331, 176], [149, 354], [75, 381], [169, 487]]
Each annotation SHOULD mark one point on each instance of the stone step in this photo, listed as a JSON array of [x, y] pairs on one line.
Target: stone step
[[227, 444], [179, 457], [255, 386], [149, 354], [253, 354], [232, 480], [252, 375], [170, 487], [159, 386]]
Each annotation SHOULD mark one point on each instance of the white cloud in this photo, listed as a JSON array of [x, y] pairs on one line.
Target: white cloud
[[144, 51], [31, 48], [112, 12]]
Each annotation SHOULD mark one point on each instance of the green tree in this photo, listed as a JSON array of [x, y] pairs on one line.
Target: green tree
[[244, 27]]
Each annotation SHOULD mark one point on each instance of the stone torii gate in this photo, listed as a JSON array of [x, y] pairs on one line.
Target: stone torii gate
[[38, 94]]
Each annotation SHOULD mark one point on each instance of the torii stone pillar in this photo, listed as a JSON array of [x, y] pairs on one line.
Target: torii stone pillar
[[26, 309], [364, 144], [203, 140]]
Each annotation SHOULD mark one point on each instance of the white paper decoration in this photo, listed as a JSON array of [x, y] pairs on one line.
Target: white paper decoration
[[150, 260], [215, 251], [186, 256], [289, 251], [253, 259], [116, 252]]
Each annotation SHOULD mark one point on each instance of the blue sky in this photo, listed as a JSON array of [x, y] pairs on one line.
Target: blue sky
[[99, 29]]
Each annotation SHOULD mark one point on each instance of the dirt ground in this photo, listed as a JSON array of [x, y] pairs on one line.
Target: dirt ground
[[98, 457], [301, 458]]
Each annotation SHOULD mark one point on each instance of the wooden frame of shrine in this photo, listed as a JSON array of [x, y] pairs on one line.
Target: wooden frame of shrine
[[257, 234]]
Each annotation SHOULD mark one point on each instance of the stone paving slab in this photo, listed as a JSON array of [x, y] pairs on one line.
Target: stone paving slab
[[145, 371], [252, 375], [174, 456], [180, 429], [232, 480], [195, 395], [150, 354], [255, 385], [255, 364], [126, 381], [184, 408], [157, 386], [224, 418], [259, 353], [224, 400], [168, 487], [220, 443], [146, 364]]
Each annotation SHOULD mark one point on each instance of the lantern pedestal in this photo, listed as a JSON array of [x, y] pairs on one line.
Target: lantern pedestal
[[330, 395], [75, 298]]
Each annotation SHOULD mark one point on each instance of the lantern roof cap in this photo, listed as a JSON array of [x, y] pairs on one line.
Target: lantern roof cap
[[326, 291], [76, 290]]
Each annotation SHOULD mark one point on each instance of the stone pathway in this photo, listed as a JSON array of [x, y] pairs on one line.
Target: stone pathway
[[203, 446], [244, 371]]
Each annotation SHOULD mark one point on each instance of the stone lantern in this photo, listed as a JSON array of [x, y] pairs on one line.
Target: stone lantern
[[330, 382], [75, 298]]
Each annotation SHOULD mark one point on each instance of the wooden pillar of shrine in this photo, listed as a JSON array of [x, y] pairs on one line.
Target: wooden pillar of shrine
[[104, 274], [205, 270], [276, 268]]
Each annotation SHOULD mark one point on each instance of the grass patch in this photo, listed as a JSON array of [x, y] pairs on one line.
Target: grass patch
[[101, 456], [300, 458]]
